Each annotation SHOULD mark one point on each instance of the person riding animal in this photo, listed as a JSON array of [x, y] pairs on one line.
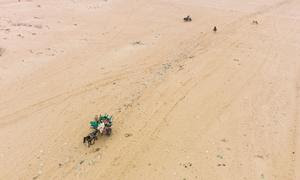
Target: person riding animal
[[187, 19]]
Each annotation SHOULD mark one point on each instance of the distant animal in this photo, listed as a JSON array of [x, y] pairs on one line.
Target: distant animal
[[91, 137], [187, 19], [215, 29], [254, 22]]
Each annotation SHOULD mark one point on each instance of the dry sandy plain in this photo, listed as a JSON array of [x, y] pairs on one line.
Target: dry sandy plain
[[196, 104]]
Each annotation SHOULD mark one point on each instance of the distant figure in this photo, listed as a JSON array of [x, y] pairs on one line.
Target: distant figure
[[215, 29], [187, 19]]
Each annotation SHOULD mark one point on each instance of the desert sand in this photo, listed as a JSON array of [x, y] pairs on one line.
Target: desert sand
[[188, 103]]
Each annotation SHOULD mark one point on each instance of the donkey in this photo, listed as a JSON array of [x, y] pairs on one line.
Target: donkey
[[91, 138], [187, 19]]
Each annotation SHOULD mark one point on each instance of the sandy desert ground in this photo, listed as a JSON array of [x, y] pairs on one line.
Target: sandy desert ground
[[188, 103]]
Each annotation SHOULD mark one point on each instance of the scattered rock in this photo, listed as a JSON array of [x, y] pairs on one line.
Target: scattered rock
[[7, 30], [215, 29], [35, 177], [224, 140], [38, 26], [149, 164], [221, 165], [219, 156], [259, 156], [137, 43], [186, 165], [180, 67], [22, 24], [97, 149], [254, 22], [127, 106], [20, 35], [81, 162], [59, 164], [167, 66], [127, 134]]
